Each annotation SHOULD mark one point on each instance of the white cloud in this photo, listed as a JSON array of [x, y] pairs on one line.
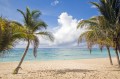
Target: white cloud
[[66, 33], [55, 2], [93, 6]]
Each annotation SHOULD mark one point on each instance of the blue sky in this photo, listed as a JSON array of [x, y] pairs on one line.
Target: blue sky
[[56, 13]]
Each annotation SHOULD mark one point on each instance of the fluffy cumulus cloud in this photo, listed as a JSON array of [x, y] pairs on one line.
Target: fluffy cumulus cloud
[[55, 2], [66, 33]]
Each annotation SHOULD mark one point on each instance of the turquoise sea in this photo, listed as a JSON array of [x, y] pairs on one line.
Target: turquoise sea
[[46, 54]]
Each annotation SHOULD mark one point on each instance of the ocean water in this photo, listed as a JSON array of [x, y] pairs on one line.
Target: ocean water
[[47, 54]]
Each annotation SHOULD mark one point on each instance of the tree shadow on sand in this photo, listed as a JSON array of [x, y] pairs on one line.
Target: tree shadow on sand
[[64, 71]]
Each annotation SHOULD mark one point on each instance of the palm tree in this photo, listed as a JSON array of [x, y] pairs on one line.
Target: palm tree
[[97, 33], [34, 27], [10, 33], [110, 9]]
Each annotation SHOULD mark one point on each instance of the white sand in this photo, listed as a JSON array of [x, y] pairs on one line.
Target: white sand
[[66, 69]]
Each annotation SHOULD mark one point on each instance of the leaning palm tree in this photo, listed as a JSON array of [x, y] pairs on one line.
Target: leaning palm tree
[[110, 9], [34, 27], [96, 34]]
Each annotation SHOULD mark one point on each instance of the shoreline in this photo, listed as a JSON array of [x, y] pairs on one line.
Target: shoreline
[[113, 57]]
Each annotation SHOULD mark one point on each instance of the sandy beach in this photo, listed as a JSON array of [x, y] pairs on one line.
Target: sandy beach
[[98, 68]]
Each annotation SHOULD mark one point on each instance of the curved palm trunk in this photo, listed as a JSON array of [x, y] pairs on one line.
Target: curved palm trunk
[[108, 49], [18, 67], [117, 57]]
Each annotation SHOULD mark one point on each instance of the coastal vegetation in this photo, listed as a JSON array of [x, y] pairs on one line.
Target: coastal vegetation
[[96, 34], [104, 30], [11, 32], [34, 27]]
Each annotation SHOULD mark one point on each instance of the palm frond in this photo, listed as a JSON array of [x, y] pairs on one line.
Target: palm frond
[[36, 44], [90, 22], [17, 23], [22, 14], [47, 34], [35, 11], [39, 26], [36, 15], [96, 4]]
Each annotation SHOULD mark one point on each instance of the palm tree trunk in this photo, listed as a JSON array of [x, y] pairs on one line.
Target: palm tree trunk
[[116, 50], [109, 55], [18, 67], [117, 55]]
